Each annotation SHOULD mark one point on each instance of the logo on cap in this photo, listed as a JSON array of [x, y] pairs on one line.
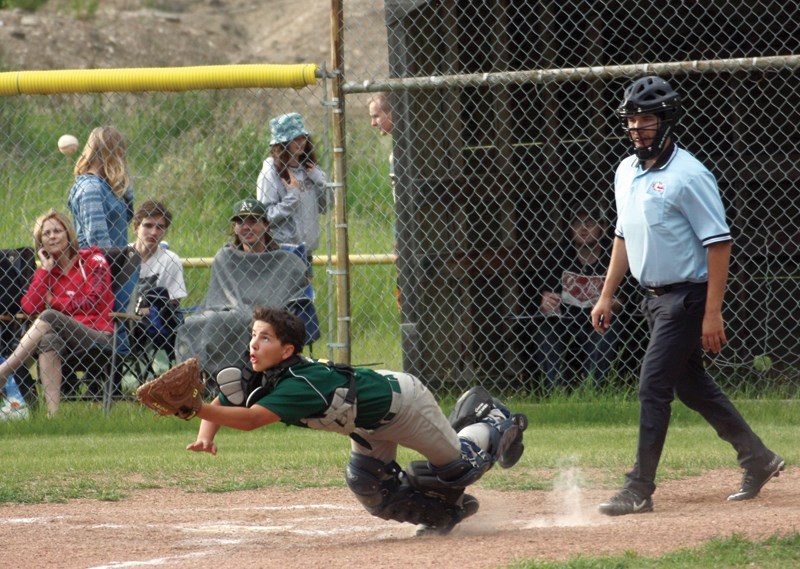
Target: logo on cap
[[248, 208]]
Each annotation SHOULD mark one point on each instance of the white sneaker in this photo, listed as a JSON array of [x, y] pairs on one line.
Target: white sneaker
[[14, 409]]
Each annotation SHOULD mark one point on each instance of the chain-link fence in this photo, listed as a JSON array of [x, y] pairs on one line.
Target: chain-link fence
[[505, 146], [197, 155], [492, 184]]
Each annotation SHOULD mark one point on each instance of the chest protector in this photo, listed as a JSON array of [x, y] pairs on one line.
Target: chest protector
[[340, 416], [243, 387]]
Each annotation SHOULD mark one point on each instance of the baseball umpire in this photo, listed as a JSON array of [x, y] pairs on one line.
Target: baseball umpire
[[672, 234], [378, 410]]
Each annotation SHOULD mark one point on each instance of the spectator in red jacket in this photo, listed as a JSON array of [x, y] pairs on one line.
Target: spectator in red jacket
[[71, 293]]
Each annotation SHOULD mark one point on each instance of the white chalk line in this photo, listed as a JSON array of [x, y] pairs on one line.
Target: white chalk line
[[23, 521], [278, 508], [156, 561], [222, 530]]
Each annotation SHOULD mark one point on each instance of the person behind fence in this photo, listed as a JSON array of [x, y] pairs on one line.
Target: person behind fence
[[101, 199], [250, 233], [292, 186], [379, 410], [72, 296], [250, 228], [249, 271], [161, 286], [380, 115], [672, 234], [561, 297]]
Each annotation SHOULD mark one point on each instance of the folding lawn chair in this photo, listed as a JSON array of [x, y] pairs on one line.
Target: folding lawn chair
[[104, 366]]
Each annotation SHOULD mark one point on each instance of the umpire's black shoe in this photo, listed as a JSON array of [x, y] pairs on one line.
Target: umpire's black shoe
[[753, 480], [626, 502]]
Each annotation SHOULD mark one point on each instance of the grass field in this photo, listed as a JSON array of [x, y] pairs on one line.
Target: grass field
[[773, 553], [84, 454]]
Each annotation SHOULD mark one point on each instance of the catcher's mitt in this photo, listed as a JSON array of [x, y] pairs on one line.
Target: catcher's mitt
[[177, 391]]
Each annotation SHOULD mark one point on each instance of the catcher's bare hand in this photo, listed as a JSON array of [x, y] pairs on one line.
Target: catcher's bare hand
[[177, 391], [202, 445]]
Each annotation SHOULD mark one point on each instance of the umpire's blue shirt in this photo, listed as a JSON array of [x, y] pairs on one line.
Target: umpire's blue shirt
[[667, 216]]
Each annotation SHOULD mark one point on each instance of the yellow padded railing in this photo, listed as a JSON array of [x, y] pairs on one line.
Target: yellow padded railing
[[157, 79], [319, 260]]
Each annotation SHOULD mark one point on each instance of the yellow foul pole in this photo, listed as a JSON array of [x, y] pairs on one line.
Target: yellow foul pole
[[157, 79]]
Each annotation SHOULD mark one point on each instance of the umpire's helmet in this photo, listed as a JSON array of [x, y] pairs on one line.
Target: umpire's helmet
[[651, 96]]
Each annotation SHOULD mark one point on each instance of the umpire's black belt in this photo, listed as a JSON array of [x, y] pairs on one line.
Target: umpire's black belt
[[661, 290]]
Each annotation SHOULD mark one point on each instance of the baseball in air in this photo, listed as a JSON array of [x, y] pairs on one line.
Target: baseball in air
[[762, 363], [67, 144]]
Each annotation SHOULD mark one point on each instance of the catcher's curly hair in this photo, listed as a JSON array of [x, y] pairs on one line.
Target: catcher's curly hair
[[288, 328]]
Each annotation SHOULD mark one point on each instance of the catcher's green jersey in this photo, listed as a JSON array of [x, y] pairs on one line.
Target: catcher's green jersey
[[306, 390]]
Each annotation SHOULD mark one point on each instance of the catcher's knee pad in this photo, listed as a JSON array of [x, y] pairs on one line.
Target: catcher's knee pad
[[372, 480], [388, 493]]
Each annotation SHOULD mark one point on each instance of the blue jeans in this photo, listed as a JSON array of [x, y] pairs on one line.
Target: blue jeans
[[596, 352]]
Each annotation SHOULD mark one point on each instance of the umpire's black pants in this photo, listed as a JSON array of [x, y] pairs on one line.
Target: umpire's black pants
[[673, 365]]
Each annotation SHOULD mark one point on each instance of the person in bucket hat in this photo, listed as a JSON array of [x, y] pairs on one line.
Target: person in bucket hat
[[287, 127], [291, 185]]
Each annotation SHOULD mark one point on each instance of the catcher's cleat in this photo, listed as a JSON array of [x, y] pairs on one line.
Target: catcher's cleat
[[754, 480], [626, 502], [469, 507], [511, 448]]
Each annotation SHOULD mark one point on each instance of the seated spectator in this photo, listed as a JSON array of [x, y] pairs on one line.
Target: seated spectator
[[161, 286], [16, 272], [251, 271], [562, 295], [71, 293], [250, 228]]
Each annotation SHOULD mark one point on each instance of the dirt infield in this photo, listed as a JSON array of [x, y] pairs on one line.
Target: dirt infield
[[328, 528]]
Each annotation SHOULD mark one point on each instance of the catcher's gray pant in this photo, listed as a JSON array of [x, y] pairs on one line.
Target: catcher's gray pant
[[418, 424]]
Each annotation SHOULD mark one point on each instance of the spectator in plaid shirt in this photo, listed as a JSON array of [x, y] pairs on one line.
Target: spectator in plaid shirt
[[101, 200]]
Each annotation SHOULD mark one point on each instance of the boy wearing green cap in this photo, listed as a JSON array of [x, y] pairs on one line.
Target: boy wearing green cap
[[250, 231]]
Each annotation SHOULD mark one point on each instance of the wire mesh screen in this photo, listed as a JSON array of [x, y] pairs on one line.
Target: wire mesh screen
[[481, 144], [505, 144], [207, 236]]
